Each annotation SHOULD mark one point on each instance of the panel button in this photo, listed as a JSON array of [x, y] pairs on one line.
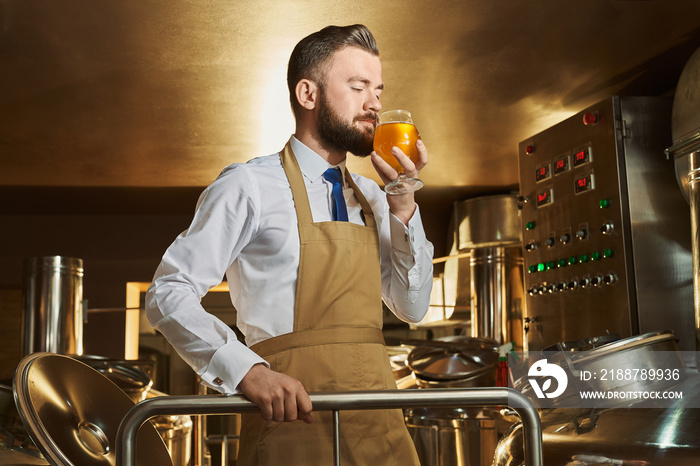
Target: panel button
[[607, 228]]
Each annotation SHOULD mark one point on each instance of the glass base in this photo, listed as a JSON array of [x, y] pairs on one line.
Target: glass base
[[403, 185]]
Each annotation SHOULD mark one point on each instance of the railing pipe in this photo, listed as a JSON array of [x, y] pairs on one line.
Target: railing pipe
[[335, 401]]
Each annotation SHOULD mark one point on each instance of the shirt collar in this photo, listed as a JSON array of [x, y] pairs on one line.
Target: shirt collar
[[310, 163]]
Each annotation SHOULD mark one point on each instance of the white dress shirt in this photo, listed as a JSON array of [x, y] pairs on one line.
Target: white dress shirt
[[245, 227]]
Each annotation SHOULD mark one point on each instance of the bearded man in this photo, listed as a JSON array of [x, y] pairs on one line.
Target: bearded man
[[309, 251]]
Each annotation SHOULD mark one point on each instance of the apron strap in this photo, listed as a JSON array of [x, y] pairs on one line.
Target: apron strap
[[321, 336], [367, 212], [301, 198], [296, 182]]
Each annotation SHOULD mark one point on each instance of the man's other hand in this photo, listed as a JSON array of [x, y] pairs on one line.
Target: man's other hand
[[279, 397]]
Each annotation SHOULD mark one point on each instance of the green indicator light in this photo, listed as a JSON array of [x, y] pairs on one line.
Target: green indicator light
[[531, 269], [530, 226], [595, 256], [607, 253], [604, 203], [583, 258], [550, 265], [540, 267], [561, 263], [572, 260]]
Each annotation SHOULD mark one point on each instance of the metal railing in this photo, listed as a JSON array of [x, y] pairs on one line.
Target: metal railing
[[338, 401]]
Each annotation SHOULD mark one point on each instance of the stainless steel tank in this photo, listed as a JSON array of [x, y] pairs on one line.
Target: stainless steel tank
[[685, 128], [620, 432], [489, 227], [632, 436], [53, 305], [454, 436]]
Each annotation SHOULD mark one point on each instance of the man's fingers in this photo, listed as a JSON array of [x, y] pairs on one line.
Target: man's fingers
[[265, 410], [386, 172], [304, 406], [409, 168], [422, 155], [278, 396], [279, 412], [290, 409]]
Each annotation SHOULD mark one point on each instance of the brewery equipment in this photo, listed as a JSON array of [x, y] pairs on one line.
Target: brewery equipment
[[644, 236], [686, 155], [487, 229], [72, 413], [53, 305], [629, 431], [606, 233]]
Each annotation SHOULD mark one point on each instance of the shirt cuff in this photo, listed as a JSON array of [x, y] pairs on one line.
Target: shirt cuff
[[229, 365], [407, 239]]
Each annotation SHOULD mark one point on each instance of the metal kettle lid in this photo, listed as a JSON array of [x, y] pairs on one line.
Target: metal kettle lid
[[126, 374], [453, 358], [72, 413], [646, 340]]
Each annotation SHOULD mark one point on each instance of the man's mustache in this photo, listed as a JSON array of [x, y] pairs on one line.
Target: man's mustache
[[373, 117]]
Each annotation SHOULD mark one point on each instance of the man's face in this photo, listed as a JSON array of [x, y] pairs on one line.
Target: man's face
[[349, 101]]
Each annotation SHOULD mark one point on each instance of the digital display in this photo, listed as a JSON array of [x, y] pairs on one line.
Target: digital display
[[542, 173], [582, 156], [544, 197], [584, 183], [561, 164]]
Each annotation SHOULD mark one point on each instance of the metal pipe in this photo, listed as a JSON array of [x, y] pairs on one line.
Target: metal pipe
[[336, 437], [386, 399]]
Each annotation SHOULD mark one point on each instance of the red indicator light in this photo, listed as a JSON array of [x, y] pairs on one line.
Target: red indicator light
[[582, 156], [544, 198], [561, 165], [529, 150], [542, 173], [590, 118], [583, 184]]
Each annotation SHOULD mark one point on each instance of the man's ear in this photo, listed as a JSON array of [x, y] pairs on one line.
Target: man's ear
[[307, 94]]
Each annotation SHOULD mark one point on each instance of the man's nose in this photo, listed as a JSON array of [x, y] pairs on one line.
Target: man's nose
[[373, 104]]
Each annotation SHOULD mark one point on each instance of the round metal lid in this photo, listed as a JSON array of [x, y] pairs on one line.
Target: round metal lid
[[127, 375], [626, 344], [72, 412], [454, 358]]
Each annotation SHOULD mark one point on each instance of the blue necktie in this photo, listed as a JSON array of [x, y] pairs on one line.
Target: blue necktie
[[340, 211]]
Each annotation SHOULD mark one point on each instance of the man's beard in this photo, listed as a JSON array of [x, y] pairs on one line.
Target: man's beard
[[338, 135]]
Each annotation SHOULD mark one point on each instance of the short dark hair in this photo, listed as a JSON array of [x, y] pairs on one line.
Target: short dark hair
[[311, 55]]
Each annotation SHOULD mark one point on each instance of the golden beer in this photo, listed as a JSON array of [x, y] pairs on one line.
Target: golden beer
[[396, 129], [402, 135]]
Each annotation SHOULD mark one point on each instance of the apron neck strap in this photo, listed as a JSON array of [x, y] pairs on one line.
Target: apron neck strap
[[301, 198]]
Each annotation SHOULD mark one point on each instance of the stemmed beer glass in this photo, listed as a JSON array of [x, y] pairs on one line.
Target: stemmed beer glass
[[396, 128]]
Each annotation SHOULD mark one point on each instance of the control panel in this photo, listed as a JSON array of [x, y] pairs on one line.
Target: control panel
[[581, 184]]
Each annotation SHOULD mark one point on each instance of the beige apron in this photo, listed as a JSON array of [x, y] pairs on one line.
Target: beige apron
[[336, 345]]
